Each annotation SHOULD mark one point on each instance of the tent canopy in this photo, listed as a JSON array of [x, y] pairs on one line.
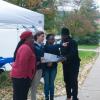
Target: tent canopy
[[12, 14]]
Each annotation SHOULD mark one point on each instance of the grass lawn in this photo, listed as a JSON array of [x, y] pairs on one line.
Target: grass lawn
[[87, 46], [5, 80], [86, 56]]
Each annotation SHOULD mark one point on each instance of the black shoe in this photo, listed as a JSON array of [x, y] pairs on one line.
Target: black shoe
[[68, 98], [75, 99], [51, 97], [47, 99]]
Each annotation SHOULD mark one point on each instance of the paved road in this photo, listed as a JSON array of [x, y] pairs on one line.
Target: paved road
[[91, 87], [95, 50]]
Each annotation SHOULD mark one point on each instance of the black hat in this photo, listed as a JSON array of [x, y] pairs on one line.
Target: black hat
[[65, 31]]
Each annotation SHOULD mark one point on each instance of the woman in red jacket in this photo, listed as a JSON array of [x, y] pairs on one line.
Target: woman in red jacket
[[23, 68]]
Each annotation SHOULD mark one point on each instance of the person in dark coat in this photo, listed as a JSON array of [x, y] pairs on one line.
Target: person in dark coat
[[70, 65]]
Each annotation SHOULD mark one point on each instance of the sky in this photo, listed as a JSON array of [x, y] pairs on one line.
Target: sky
[[98, 3], [70, 8]]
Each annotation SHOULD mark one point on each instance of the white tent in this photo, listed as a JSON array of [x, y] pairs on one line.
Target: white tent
[[12, 14]]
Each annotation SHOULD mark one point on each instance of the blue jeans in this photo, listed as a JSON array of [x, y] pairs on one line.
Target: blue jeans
[[49, 78]]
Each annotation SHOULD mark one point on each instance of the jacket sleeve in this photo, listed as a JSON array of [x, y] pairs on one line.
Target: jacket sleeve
[[73, 50], [24, 54], [54, 47]]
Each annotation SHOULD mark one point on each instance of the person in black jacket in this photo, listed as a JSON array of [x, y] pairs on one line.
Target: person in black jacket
[[70, 65]]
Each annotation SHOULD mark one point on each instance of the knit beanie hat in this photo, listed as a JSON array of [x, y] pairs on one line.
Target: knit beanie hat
[[65, 31], [25, 35]]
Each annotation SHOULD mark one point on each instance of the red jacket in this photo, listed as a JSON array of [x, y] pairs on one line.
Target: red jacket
[[25, 63]]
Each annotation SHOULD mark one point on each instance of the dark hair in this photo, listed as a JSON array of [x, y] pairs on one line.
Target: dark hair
[[48, 36], [18, 45], [38, 34], [65, 31]]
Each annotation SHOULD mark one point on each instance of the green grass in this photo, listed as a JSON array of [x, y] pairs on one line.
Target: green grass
[[87, 46], [5, 80], [59, 73], [86, 56]]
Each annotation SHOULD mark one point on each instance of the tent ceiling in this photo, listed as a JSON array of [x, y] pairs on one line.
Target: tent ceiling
[[12, 14]]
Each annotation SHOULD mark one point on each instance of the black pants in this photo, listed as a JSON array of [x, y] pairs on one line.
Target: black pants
[[20, 88], [70, 72]]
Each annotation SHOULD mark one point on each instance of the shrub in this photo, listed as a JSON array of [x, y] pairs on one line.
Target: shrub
[[90, 39], [5, 79]]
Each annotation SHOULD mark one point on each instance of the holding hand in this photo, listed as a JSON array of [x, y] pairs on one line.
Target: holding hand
[[65, 44], [42, 60], [49, 64], [38, 63]]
